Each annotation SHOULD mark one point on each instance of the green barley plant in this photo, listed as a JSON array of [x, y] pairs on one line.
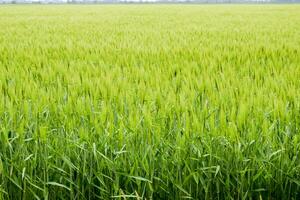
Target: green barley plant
[[149, 102]]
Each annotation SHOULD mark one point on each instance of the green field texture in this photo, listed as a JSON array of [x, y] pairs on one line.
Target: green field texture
[[149, 102]]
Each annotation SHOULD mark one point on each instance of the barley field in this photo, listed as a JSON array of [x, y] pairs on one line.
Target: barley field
[[149, 102]]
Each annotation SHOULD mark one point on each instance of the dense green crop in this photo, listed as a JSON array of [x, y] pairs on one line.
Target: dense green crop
[[150, 102]]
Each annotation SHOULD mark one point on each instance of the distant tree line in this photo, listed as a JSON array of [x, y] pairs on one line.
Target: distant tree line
[[145, 1]]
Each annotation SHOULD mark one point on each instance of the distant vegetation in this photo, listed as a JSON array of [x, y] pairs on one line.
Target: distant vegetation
[[150, 102], [146, 1]]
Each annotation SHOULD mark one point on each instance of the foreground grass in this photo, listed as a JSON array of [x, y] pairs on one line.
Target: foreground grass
[[150, 102]]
